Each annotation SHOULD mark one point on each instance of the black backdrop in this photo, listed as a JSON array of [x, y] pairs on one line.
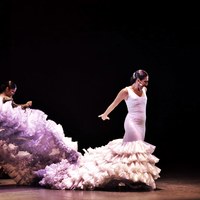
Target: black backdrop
[[71, 59]]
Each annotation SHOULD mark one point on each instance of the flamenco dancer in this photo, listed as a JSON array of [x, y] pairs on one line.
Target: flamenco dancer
[[28, 140], [122, 162]]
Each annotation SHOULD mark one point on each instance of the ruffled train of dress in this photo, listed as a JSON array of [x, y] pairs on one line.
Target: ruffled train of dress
[[29, 141], [117, 162]]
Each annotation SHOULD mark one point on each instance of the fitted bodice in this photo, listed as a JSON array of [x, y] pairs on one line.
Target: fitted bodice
[[136, 104]]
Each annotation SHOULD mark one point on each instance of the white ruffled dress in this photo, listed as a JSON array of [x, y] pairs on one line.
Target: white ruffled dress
[[126, 161], [103, 167]]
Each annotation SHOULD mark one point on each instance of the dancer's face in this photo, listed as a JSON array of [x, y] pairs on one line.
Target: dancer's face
[[10, 92], [144, 82]]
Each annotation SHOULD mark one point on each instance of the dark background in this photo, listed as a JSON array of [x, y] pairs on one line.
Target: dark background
[[71, 60]]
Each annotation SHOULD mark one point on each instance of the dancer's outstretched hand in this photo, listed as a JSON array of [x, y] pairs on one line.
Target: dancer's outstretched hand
[[104, 117]]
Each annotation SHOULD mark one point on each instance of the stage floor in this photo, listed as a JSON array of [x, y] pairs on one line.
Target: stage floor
[[180, 184]]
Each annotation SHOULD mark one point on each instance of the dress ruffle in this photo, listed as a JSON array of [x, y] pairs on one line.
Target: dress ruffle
[[29, 141], [127, 163]]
